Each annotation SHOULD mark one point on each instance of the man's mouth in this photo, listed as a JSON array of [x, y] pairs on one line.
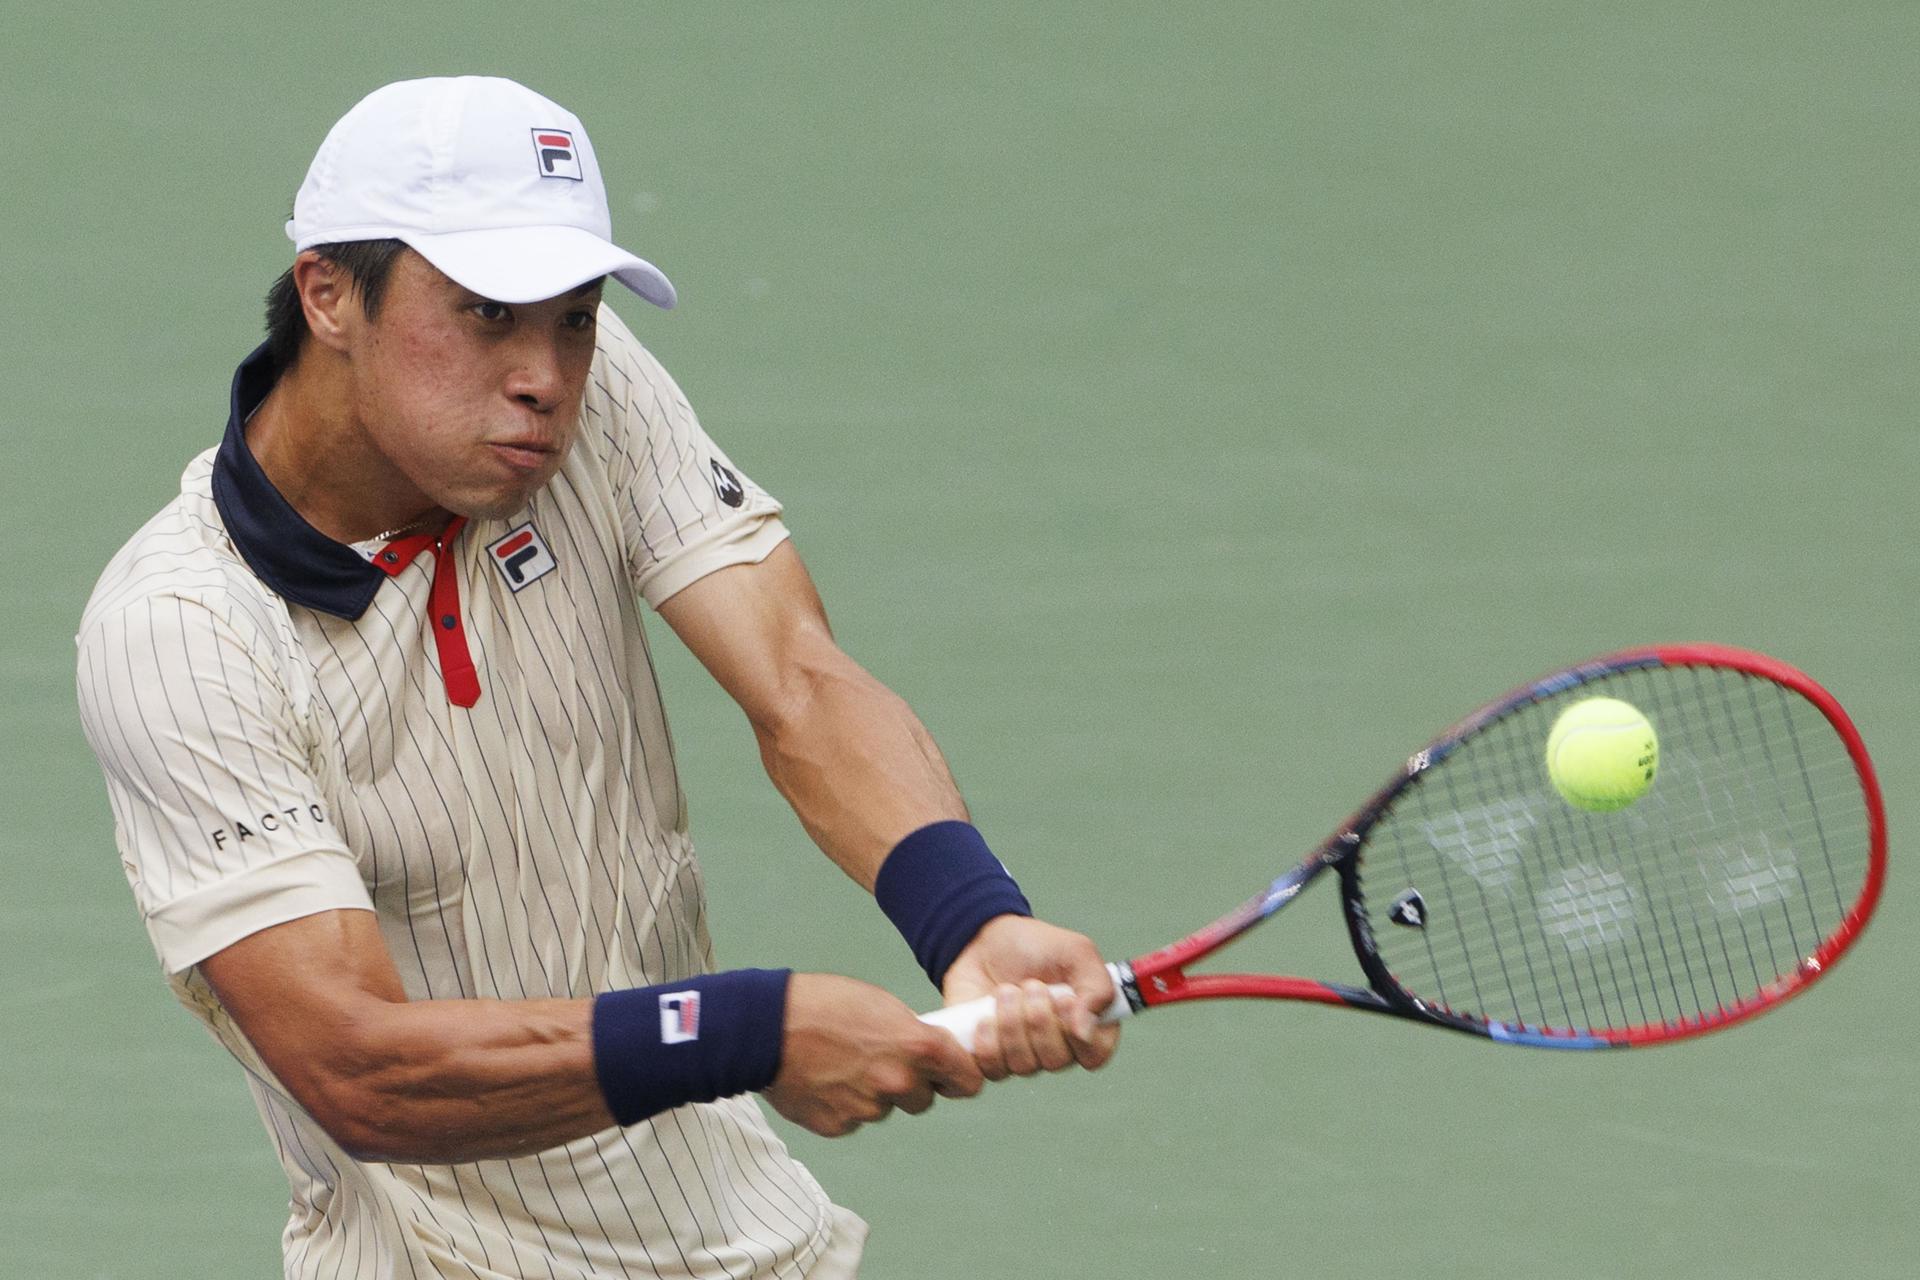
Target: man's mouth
[[523, 455]]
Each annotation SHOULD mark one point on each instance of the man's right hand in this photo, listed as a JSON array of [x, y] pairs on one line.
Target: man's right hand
[[852, 1053]]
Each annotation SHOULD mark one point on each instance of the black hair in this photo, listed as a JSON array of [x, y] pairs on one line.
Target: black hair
[[368, 264]]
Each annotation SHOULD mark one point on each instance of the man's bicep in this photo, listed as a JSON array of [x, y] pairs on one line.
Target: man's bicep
[[301, 990], [756, 627], [304, 969]]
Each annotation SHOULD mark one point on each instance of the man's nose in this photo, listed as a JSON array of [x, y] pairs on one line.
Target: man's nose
[[536, 379]]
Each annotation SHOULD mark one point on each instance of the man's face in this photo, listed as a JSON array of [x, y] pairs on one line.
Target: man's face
[[474, 402]]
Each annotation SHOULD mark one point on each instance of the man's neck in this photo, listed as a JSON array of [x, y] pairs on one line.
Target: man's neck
[[313, 448]]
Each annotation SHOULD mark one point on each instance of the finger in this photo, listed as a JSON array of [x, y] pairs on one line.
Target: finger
[[1094, 985], [950, 1070], [989, 1054], [1092, 1044], [1093, 1052], [1045, 1030], [828, 1125], [1076, 1020], [1022, 1060], [915, 1100], [903, 1084]]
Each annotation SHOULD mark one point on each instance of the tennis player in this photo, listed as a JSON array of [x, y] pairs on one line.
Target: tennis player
[[393, 785]]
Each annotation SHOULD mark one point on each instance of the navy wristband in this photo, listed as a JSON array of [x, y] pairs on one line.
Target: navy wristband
[[701, 1038], [941, 884]]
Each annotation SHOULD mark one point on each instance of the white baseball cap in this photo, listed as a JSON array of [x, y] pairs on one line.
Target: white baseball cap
[[490, 182]]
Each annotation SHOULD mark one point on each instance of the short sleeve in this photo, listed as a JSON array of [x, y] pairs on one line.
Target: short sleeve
[[221, 826], [685, 508]]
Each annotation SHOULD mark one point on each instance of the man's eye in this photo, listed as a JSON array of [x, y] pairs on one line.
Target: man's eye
[[491, 310], [580, 321]]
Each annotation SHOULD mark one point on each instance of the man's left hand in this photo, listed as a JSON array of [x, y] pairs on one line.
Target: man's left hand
[[1016, 960]]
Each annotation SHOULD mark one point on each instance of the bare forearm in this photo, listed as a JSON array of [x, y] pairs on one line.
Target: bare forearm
[[847, 753], [857, 766], [447, 1081]]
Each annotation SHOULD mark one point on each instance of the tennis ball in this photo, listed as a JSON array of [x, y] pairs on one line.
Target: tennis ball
[[1602, 754]]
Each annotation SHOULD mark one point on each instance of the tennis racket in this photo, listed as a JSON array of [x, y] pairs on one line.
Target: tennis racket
[[1477, 899]]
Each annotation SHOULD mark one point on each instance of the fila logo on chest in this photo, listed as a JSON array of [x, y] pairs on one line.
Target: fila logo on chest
[[521, 556]]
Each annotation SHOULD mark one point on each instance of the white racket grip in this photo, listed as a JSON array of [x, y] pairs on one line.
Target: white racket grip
[[963, 1020]]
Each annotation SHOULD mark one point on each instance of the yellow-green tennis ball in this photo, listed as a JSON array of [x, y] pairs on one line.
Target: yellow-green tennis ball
[[1602, 754]]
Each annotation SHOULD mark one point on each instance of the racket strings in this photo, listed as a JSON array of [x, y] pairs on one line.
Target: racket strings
[[1742, 859]]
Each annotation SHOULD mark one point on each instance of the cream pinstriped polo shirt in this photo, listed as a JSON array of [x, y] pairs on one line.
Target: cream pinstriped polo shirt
[[273, 715]]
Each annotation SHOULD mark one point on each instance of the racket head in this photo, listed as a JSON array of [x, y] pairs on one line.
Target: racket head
[[1478, 898]]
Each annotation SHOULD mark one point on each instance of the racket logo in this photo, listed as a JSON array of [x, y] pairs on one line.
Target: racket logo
[[1409, 909]]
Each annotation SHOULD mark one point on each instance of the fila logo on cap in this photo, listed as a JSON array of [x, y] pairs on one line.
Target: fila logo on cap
[[726, 485], [558, 157], [521, 556], [679, 1016]]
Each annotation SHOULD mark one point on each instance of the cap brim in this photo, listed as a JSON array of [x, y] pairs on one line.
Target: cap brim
[[530, 264]]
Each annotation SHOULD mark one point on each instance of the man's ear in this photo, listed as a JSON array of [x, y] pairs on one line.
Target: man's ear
[[328, 298]]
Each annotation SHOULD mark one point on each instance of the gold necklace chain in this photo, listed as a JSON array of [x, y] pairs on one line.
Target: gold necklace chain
[[391, 534]]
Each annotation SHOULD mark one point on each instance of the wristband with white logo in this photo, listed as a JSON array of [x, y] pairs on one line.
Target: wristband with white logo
[[694, 1040]]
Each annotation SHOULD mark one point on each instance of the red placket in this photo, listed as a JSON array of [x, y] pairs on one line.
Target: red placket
[[443, 606]]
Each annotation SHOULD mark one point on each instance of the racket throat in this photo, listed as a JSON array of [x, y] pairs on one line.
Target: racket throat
[[1126, 988]]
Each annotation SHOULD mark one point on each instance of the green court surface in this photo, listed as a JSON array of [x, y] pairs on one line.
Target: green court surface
[[1189, 409]]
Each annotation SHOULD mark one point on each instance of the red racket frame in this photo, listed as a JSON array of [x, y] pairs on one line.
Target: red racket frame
[[1160, 977]]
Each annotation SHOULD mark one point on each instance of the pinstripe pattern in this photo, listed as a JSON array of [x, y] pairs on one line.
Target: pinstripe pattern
[[266, 760]]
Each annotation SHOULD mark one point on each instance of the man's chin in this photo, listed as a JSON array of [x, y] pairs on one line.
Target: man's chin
[[492, 511], [490, 506]]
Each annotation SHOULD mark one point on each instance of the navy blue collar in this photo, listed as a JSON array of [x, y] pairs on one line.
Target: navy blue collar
[[298, 561]]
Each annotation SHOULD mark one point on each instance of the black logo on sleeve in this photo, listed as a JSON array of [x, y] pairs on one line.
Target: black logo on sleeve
[[727, 485], [295, 818]]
